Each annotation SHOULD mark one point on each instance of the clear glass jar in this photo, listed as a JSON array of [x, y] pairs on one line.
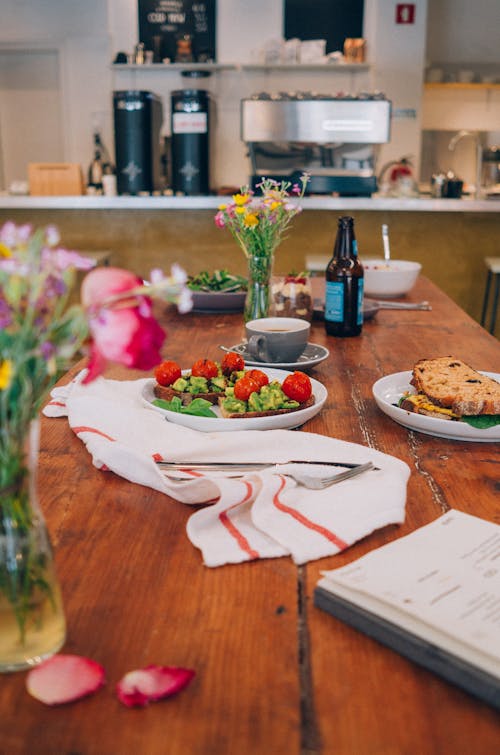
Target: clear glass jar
[[291, 296]]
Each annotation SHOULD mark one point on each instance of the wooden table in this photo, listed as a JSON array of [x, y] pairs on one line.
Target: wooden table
[[275, 675]]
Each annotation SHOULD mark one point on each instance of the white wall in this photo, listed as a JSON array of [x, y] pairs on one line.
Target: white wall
[[87, 35], [77, 33], [397, 53], [463, 31]]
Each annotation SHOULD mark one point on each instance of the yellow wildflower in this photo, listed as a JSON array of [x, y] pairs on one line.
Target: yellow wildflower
[[239, 210], [241, 199], [5, 251], [223, 207], [5, 374], [274, 205], [251, 220]]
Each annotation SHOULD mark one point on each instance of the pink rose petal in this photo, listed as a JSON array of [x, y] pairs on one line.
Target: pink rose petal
[[139, 687], [64, 678]]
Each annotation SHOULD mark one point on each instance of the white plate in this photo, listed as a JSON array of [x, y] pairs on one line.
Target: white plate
[[387, 392], [313, 354], [220, 424]]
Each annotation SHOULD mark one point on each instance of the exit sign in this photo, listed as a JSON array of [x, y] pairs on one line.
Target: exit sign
[[405, 13]]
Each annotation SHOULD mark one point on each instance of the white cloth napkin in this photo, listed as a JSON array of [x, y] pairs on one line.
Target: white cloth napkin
[[262, 515]]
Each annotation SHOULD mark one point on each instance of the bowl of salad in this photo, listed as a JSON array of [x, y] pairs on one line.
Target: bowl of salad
[[217, 291]]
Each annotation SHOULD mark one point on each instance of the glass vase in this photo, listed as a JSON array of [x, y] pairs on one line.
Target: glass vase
[[32, 623], [258, 298]]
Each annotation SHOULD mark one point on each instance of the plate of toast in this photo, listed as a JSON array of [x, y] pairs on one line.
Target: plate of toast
[[280, 420], [444, 397]]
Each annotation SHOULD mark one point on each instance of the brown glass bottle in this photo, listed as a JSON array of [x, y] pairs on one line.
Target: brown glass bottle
[[344, 284]]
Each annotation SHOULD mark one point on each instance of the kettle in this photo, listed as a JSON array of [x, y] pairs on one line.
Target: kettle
[[400, 181]]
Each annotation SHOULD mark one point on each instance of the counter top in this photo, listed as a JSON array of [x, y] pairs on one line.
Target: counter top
[[423, 204]]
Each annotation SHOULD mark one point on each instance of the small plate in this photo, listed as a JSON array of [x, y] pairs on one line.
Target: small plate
[[370, 309], [312, 355], [218, 301], [387, 392], [221, 424]]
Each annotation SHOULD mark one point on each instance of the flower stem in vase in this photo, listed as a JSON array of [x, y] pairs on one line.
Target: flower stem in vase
[[257, 300], [32, 623]]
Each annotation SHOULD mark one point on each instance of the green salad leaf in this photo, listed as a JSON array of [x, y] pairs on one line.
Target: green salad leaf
[[483, 421], [199, 407], [219, 280]]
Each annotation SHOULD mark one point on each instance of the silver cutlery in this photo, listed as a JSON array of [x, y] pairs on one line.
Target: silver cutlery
[[319, 483], [420, 305], [309, 481], [385, 241], [247, 466]]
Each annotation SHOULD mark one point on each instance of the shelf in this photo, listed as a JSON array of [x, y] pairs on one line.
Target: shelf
[[330, 67], [459, 85], [170, 67], [179, 67]]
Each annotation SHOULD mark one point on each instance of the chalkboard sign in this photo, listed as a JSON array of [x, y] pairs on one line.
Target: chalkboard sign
[[181, 30], [333, 20]]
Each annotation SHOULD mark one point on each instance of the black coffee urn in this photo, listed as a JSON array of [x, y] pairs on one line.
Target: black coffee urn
[[190, 128], [138, 118]]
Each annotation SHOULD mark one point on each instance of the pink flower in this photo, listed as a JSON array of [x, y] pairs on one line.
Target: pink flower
[[63, 259], [121, 323], [219, 220]]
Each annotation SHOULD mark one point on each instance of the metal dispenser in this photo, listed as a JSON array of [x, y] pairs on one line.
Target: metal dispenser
[[334, 139]]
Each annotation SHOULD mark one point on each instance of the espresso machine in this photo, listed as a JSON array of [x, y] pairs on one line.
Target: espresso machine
[[335, 139]]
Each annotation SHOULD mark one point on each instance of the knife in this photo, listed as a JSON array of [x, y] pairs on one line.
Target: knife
[[247, 466]]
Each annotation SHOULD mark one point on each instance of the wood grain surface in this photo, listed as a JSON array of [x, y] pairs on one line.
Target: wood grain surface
[[274, 674]]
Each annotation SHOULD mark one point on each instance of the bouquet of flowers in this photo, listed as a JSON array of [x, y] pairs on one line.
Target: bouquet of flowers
[[40, 332], [259, 223]]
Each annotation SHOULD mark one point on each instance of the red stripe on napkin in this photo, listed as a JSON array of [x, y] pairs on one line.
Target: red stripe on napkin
[[56, 403], [305, 521], [234, 531], [83, 429]]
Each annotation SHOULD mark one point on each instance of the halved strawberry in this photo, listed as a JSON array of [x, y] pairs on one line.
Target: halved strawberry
[[139, 687], [65, 678]]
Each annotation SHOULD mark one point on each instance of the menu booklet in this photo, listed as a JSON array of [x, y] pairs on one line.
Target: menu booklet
[[433, 596]]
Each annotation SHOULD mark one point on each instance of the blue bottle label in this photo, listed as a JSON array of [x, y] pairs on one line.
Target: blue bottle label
[[334, 301], [361, 285]]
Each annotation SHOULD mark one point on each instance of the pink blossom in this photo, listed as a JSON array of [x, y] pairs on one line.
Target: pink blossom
[[52, 235], [63, 259], [12, 234], [219, 220], [122, 327]]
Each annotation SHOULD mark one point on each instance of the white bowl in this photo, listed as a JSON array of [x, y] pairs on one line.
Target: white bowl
[[388, 278]]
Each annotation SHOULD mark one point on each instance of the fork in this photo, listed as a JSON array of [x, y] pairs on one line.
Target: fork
[[308, 481], [319, 483]]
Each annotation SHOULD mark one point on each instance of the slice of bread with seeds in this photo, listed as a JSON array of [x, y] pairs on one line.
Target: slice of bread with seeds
[[451, 383]]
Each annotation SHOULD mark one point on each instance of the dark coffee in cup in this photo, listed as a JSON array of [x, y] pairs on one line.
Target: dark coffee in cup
[[277, 339]]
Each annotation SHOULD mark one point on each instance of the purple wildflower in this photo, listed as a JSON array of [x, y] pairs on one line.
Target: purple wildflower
[[47, 349]]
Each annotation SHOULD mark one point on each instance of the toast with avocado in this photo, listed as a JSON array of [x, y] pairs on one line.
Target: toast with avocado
[[189, 387], [268, 401]]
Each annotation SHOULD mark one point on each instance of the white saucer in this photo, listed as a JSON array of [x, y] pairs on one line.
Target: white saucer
[[313, 354]]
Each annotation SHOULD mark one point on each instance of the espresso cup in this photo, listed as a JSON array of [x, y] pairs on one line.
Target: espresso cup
[[277, 339]]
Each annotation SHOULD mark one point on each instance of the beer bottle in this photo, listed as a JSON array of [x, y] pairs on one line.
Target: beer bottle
[[344, 284]]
